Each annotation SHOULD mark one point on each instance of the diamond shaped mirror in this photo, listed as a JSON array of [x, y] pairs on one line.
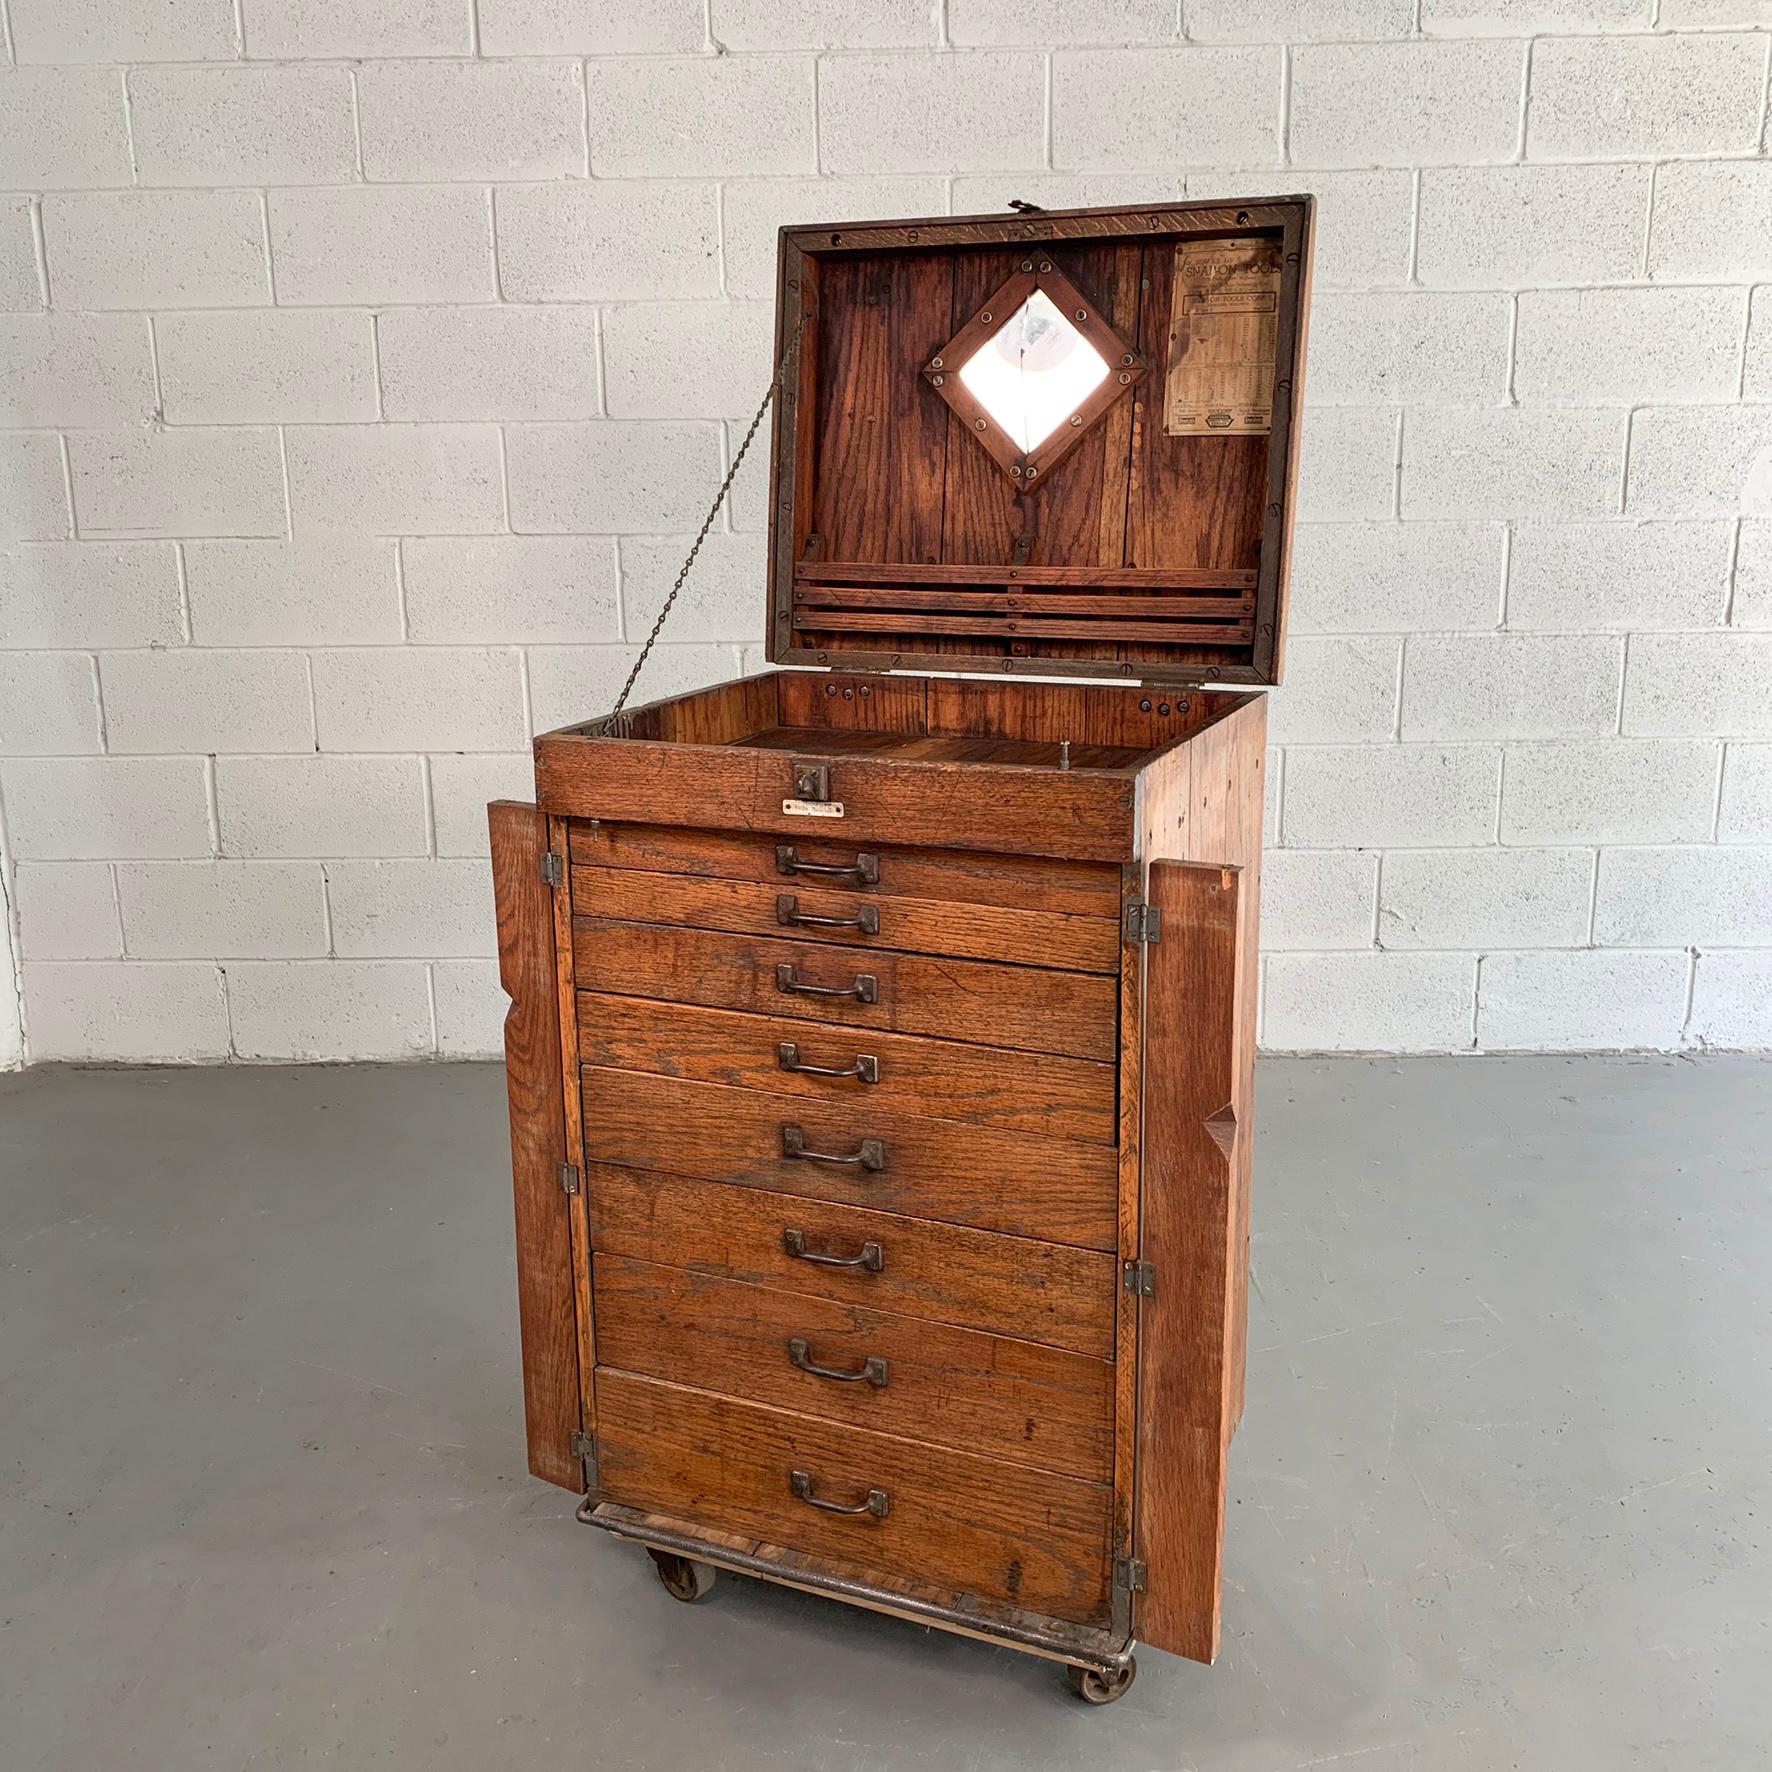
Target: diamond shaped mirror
[[1032, 370]]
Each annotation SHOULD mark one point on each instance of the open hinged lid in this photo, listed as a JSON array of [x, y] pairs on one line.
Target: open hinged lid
[[1060, 443]]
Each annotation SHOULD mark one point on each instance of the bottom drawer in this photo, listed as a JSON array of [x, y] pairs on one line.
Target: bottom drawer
[[949, 1519], [1014, 1400]]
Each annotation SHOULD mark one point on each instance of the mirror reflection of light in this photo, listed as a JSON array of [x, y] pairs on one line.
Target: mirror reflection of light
[[1034, 373]]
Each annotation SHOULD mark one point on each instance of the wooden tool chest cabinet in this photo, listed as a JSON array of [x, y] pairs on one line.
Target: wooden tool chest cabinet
[[881, 1039]]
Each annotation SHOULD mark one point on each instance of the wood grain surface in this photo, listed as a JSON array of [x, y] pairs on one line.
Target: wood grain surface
[[547, 1319], [910, 925], [1026, 1537], [1068, 1098], [990, 1394], [1014, 1182], [1022, 1006], [1016, 882], [1046, 1292]]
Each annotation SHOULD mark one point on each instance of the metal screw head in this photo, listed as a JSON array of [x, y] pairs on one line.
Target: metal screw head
[[1045, 264], [934, 362], [1076, 418], [1127, 360], [978, 424], [938, 380], [913, 235], [1082, 313], [1027, 264], [1125, 378], [985, 317], [1015, 473], [1032, 472]]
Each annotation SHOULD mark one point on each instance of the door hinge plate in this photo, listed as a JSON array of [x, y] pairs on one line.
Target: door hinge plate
[[584, 1449], [1129, 1573], [1144, 922], [569, 1178], [1139, 1277], [553, 868]]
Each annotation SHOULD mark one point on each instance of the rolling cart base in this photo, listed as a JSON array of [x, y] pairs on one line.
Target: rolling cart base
[[1092, 1652]]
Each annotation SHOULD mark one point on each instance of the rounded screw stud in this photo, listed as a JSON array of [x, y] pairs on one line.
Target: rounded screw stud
[[1032, 472], [1076, 419], [1242, 217], [1126, 359], [935, 363], [1162, 707], [1027, 264], [1144, 707], [1125, 378], [836, 239], [1015, 473], [939, 380], [1082, 313], [986, 317], [1045, 264], [978, 424]]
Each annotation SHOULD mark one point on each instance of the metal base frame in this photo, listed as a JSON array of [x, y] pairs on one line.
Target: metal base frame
[[1074, 1645]]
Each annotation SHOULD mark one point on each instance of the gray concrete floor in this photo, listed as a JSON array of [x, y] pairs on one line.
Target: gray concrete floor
[[1501, 1497]]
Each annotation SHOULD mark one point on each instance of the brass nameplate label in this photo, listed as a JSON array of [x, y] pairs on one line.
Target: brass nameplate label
[[1222, 322], [813, 808]]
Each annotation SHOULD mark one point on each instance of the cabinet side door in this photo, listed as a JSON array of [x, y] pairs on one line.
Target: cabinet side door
[[547, 1316], [1187, 1372]]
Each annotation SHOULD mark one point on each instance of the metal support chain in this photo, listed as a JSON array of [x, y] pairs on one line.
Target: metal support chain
[[617, 725]]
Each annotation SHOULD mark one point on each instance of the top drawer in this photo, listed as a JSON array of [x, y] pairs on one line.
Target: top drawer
[[828, 862]]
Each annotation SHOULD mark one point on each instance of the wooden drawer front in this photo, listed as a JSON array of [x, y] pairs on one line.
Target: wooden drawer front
[[977, 1085], [1013, 1182], [1021, 1006], [1046, 1292], [914, 925], [957, 876], [1006, 1399], [1025, 1537]]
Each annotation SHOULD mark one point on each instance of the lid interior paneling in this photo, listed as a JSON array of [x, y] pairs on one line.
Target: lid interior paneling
[[900, 541]]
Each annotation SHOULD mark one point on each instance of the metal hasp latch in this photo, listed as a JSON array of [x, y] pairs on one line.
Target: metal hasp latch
[[583, 1447], [812, 781], [1139, 1277], [553, 868], [1144, 922], [569, 1178]]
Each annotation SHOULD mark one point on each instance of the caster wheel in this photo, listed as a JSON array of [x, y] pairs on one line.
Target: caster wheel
[[1099, 1688], [683, 1579]]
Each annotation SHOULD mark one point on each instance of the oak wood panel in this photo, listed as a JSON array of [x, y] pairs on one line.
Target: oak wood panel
[[1080, 813], [566, 1002], [1003, 1398], [825, 699], [547, 1320], [1185, 1329], [1030, 1538], [911, 925], [831, 573], [1046, 1292], [1016, 753], [1013, 1182], [1069, 1098], [1024, 882], [1072, 1014]]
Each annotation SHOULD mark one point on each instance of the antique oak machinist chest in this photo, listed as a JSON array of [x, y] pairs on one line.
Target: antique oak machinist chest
[[882, 1035]]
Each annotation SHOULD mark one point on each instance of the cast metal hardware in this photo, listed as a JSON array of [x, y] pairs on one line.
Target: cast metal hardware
[[872, 1256], [569, 1178], [866, 988], [812, 781], [553, 868], [1139, 1277], [1144, 922], [877, 1504], [583, 1447], [872, 1370], [869, 1154], [866, 1067], [864, 870], [788, 913]]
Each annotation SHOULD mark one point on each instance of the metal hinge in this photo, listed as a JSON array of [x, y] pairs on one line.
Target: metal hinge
[[1129, 1579], [1139, 1277], [553, 868], [568, 1178], [584, 1449], [1144, 922]]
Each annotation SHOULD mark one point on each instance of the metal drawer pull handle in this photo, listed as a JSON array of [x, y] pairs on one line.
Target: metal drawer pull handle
[[872, 1370], [872, 1256], [876, 1504], [865, 868], [869, 1154], [866, 988], [788, 913], [866, 1066]]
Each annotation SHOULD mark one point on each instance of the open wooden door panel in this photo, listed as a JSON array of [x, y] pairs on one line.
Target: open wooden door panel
[[533, 1083], [1190, 1233]]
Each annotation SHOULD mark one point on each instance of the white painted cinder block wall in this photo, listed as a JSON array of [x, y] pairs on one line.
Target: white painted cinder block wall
[[366, 363]]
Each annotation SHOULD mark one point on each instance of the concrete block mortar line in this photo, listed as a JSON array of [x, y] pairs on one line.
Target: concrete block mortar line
[[474, 27], [212, 806], [326, 911], [430, 798], [431, 999], [1507, 572], [1691, 995], [240, 28], [1286, 105], [1046, 106], [283, 470], [817, 125], [1734, 570], [1765, 94], [942, 38], [98, 696], [1716, 810], [67, 467], [13, 996], [1623, 674]]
